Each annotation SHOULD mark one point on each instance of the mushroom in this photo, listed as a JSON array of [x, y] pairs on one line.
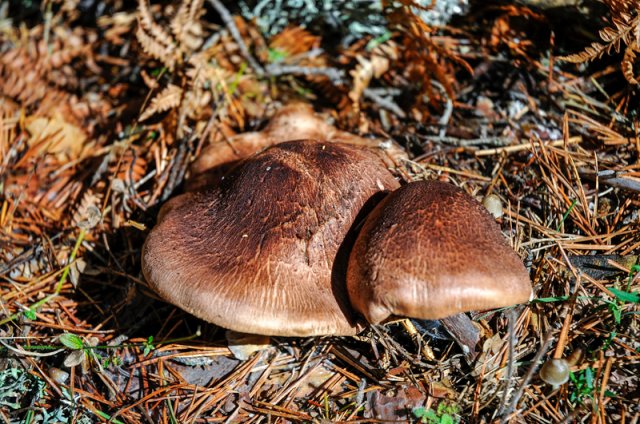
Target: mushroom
[[265, 249], [265, 252], [555, 372], [296, 121], [429, 250], [494, 205]]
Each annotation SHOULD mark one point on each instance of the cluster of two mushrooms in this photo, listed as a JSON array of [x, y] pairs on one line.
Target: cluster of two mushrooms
[[306, 237]]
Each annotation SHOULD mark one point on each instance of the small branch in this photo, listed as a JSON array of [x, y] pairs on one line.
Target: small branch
[[235, 33], [462, 329], [448, 109], [471, 142], [526, 146], [335, 75], [19, 351], [612, 178], [512, 342], [384, 103], [534, 366]]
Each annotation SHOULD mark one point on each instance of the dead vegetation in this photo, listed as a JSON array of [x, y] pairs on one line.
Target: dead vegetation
[[103, 106]]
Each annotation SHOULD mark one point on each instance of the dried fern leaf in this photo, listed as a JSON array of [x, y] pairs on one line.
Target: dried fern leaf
[[623, 31], [196, 10], [369, 68], [594, 51], [180, 19], [165, 54], [186, 28], [627, 64], [158, 33], [168, 98], [293, 41], [85, 215]]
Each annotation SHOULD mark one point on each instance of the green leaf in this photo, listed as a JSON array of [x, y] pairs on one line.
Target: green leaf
[[106, 416], [615, 311], [446, 419], [30, 314], [550, 299], [378, 40], [71, 341], [276, 55], [626, 296], [419, 412], [148, 346]]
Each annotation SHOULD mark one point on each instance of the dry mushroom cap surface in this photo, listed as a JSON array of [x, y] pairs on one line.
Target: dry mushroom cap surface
[[429, 250], [258, 253], [296, 121]]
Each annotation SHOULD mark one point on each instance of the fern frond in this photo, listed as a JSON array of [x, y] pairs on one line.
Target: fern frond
[[196, 10], [165, 54], [181, 19], [185, 26], [622, 7], [624, 30], [594, 51], [168, 98], [158, 33], [627, 64]]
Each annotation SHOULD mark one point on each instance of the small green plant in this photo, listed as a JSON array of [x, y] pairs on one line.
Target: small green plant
[[71, 341], [622, 297], [445, 413], [148, 346], [30, 313], [276, 55], [582, 385]]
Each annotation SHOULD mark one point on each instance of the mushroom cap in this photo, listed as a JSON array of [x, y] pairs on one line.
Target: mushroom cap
[[262, 252], [555, 371], [296, 121], [429, 250]]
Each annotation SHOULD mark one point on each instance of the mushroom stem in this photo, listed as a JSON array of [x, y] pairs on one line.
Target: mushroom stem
[[465, 333]]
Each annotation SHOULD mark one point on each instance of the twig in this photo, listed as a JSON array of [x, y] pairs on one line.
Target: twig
[[534, 366], [527, 145], [335, 75], [612, 178], [21, 351], [512, 342], [235, 33], [461, 142], [384, 103], [448, 110], [177, 170]]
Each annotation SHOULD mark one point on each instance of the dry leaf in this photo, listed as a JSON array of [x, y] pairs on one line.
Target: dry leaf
[[56, 136]]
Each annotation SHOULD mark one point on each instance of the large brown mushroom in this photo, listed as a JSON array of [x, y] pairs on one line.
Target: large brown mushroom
[[261, 253], [429, 251], [265, 249]]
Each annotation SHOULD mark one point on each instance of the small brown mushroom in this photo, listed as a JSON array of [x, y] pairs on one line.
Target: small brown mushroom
[[555, 372], [261, 253], [429, 251]]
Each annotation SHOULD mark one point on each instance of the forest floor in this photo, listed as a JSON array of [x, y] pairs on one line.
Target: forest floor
[[104, 104]]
